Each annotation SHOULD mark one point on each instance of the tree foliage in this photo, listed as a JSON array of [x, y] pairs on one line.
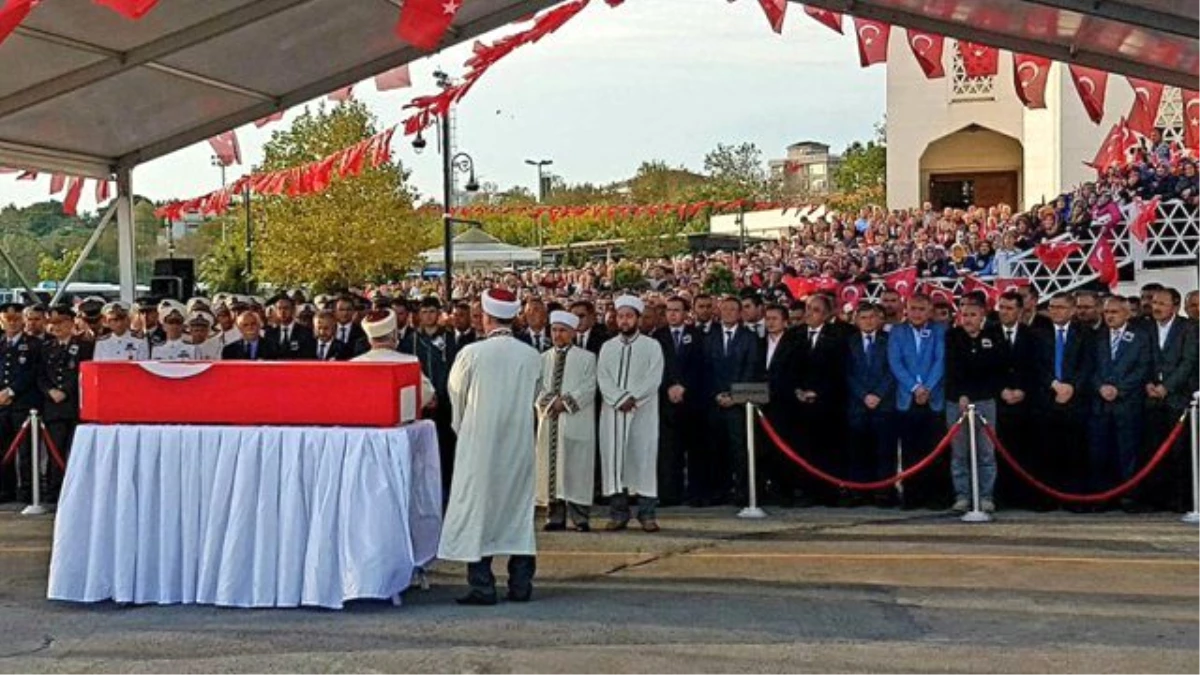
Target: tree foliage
[[360, 229], [861, 178]]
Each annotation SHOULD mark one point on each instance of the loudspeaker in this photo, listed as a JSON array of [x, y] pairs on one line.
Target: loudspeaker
[[178, 275]]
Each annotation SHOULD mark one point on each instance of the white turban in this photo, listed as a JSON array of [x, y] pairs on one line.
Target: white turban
[[632, 302], [565, 318], [379, 324], [500, 303]]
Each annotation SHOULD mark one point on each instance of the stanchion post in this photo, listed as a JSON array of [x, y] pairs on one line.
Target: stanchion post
[[36, 508], [975, 515], [751, 511], [1193, 517]]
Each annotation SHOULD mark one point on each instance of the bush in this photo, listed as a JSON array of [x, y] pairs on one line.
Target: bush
[[719, 281], [628, 277]]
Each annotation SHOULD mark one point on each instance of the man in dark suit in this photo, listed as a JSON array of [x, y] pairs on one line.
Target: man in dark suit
[[1061, 399], [326, 345], [348, 331], [681, 405], [820, 381], [406, 335], [1168, 394], [702, 314], [1014, 411], [435, 351], [871, 403], [537, 329], [19, 359], [1029, 310], [463, 334], [779, 350], [590, 335], [1124, 365], [292, 340], [58, 380], [252, 346], [732, 357]]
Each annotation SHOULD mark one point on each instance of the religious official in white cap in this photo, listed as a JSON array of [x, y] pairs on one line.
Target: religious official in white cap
[[493, 388], [629, 373], [566, 437], [380, 327]]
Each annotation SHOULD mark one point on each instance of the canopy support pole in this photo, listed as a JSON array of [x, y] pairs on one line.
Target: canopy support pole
[[126, 243]]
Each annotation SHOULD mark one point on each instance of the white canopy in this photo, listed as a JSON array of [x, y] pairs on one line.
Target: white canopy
[[478, 248]]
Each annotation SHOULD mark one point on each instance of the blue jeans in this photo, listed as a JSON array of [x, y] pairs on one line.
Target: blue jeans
[[960, 452]]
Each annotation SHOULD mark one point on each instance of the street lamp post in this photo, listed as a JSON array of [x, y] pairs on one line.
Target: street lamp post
[[541, 197], [451, 162]]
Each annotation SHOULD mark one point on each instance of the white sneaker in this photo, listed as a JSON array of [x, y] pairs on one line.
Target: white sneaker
[[960, 506], [987, 506]]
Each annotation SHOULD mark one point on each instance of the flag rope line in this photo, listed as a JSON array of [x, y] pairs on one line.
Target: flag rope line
[[12, 449], [1097, 498], [791, 454], [52, 449]]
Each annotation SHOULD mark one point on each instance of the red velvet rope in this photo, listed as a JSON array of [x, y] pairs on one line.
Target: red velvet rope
[[53, 450], [12, 449], [852, 485], [1098, 498]]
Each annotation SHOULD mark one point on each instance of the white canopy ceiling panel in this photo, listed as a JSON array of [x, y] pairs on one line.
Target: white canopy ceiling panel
[[28, 61]]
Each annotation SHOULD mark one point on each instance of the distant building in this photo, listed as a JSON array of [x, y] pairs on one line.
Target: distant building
[[961, 140], [807, 170], [185, 226]]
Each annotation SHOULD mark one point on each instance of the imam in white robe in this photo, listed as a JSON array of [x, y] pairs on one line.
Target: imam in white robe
[[574, 430], [493, 387], [629, 368]]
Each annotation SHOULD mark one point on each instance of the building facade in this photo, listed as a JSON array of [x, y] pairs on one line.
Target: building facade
[[807, 170], [959, 140]]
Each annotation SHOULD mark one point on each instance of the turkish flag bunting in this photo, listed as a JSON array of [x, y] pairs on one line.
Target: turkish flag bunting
[[264, 121], [423, 22], [342, 95], [1091, 84], [130, 9], [396, 78], [827, 17], [979, 60], [902, 281], [937, 293], [872, 41], [775, 11], [1147, 212], [1052, 254], [801, 287], [57, 183], [74, 192], [1191, 121], [1147, 96], [1116, 148], [828, 284], [101, 191], [226, 147], [928, 47], [12, 13], [1103, 261], [852, 294], [972, 284], [1030, 75]]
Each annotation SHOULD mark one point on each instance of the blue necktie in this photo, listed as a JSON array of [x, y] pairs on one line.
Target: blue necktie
[[1114, 343], [253, 350], [1060, 346]]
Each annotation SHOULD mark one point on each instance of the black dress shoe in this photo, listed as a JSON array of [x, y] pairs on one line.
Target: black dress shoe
[[477, 599], [514, 596], [583, 527], [554, 527]]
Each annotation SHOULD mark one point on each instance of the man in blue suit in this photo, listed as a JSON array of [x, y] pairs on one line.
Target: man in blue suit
[[917, 356], [732, 356], [1124, 362], [871, 404], [681, 407]]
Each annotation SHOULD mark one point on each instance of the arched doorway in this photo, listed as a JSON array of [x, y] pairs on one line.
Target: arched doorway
[[973, 165]]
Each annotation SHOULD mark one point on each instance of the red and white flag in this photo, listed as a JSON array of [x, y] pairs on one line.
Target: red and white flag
[[226, 148], [1103, 261], [775, 11], [1030, 75], [130, 9], [902, 281], [57, 183], [972, 284], [872, 41], [979, 60], [74, 192], [396, 78], [928, 47], [101, 191], [12, 13], [423, 22], [1116, 149], [1011, 284], [1147, 96], [1191, 121], [1145, 216], [264, 121], [1052, 254], [852, 294], [1091, 83], [342, 95], [827, 17]]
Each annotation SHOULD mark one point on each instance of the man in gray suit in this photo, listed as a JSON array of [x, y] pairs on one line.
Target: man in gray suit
[[1173, 382]]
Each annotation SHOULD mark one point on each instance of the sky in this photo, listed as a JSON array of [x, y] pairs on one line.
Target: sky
[[651, 79]]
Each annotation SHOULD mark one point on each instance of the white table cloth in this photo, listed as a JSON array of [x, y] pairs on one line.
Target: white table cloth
[[245, 516]]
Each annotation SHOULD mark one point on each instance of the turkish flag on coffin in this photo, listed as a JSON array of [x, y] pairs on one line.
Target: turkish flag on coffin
[[423, 22], [872, 41], [1091, 84], [979, 60], [1147, 96], [1030, 75], [928, 47]]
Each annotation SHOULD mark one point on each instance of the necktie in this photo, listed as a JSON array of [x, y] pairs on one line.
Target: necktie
[[812, 337], [253, 349], [321, 354], [728, 339], [1114, 342], [868, 342], [579, 340], [283, 336], [1010, 334], [345, 333], [1060, 346], [676, 333]]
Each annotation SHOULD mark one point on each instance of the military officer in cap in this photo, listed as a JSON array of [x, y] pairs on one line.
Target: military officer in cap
[[88, 320], [19, 356], [174, 347], [119, 344], [205, 345], [58, 381], [151, 330]]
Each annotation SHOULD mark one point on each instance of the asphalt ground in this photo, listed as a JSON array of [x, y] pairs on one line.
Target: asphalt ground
[[805, 590]]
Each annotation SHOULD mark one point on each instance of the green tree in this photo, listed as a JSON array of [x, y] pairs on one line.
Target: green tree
[[739, 172], [864, 165], [55, 267], [359, 229]]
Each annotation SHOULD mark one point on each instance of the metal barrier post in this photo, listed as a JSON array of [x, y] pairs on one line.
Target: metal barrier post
[[36, 508], [975, 515], [751, 511], [1193, 516]]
